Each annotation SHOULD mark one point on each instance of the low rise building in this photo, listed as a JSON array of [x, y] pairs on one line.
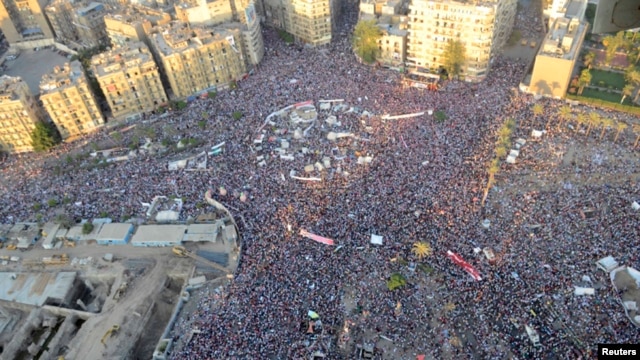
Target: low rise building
[[158, 235], [558, 54], [19, 113], [195, 59], [115, 234], [67, 98], [129, 79]]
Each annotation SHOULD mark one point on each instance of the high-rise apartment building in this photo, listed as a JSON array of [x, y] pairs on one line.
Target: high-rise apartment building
[[482, 26], [90, 25], [559, 53], [195, 59], [129, 79], [60, 15], [19, 113], [23, 22], [66, 96], [309, 21], [240, 14]]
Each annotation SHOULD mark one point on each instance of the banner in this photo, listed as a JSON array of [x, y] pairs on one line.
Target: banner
[[317, 238], [465, 265], [304, 103]]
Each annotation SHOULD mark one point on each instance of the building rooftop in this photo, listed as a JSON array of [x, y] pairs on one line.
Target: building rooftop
[[9, 85], [114, 231], [563, 38], [62, 77], [178, 36], [133, 54], [139, 13], [159, 234], [92, 7], [36, 288]]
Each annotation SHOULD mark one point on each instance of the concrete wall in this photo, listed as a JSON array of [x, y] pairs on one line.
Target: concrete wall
[[21, 338]]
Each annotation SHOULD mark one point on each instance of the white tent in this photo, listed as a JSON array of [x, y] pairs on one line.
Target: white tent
[[376, 239], [584, 291], [607, 264]]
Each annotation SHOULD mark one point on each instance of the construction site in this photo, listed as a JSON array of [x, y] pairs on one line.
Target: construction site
[[83, 300]]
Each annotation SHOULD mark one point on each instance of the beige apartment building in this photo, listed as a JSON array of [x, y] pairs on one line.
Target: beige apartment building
[[482, 26], [19, 113], [195, 59], [67, 98], [133, 24], [203, 12], [24, 24], [560, 50], [240, 14], [309, 21], [129, 79]]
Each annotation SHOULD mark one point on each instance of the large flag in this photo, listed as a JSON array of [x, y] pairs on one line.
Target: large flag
[[317, 238], [465, 265]]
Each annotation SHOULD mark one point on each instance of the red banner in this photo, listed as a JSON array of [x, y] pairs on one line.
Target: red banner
[[315, 237], [465, 265], [304, 103]]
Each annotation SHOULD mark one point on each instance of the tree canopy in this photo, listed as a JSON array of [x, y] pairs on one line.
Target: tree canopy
[[44, 137], [454, 58], [365, 40]]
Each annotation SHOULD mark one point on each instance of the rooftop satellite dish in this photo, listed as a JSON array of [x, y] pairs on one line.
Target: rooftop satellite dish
[[616, 15]]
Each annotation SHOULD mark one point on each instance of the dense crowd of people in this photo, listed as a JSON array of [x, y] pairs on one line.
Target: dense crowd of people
[[425, 183]]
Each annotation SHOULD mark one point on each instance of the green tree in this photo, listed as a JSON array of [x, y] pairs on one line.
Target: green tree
[[636, 130], [395, 281], [620, 126], [627, 90], [44, 136], [492, 170], [594, 119], [537, 110], [583, 80], [632, 75], [612, 44], [605, 123], [454, 58], [581, 120], [589, 59], [365, 40], [87, 228], [564, 114]]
